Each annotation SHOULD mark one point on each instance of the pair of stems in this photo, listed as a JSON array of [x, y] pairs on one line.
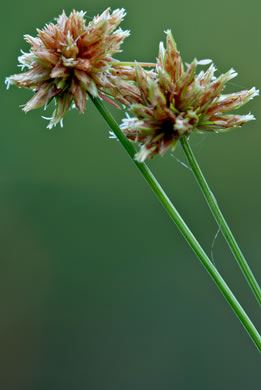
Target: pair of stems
[[221, 222], [188, 235]]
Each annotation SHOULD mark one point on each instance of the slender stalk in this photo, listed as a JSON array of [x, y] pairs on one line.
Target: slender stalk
[[146, 64], [173, 213], [213, 205]]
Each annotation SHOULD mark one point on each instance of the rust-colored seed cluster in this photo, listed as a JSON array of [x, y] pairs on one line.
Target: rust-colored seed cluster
[[177, 102], [69, 59]]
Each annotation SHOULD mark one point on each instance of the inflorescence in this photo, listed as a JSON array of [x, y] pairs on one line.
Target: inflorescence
[[69, 60]]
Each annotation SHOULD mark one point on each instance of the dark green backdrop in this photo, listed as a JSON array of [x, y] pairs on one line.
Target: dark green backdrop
[[98, 288]]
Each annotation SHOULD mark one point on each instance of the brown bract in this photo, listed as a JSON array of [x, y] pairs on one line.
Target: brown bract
[[177, 102], [69, 59]]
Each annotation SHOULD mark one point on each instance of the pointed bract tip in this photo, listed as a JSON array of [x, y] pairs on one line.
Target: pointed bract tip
[[248, 117], [8, 82], [204, 62], [254, 92], [168, 31]]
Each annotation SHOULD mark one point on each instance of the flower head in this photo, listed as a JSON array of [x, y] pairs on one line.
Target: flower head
[[69, 59], [177, 102]]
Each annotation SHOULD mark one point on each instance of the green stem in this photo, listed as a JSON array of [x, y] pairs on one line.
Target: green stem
[[213, 205], [147, 64], [173, 213]]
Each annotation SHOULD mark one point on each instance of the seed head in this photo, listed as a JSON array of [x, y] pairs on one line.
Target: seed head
[[69, 59], [177, 102]]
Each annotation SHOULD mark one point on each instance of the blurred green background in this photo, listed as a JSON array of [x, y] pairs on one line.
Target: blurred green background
[[98, 288]]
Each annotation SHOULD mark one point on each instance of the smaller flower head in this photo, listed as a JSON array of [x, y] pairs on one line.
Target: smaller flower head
[[177, 102], [69, 59]]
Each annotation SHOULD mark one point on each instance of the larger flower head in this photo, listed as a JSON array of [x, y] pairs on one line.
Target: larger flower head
[[177, 102], [68, 59]]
